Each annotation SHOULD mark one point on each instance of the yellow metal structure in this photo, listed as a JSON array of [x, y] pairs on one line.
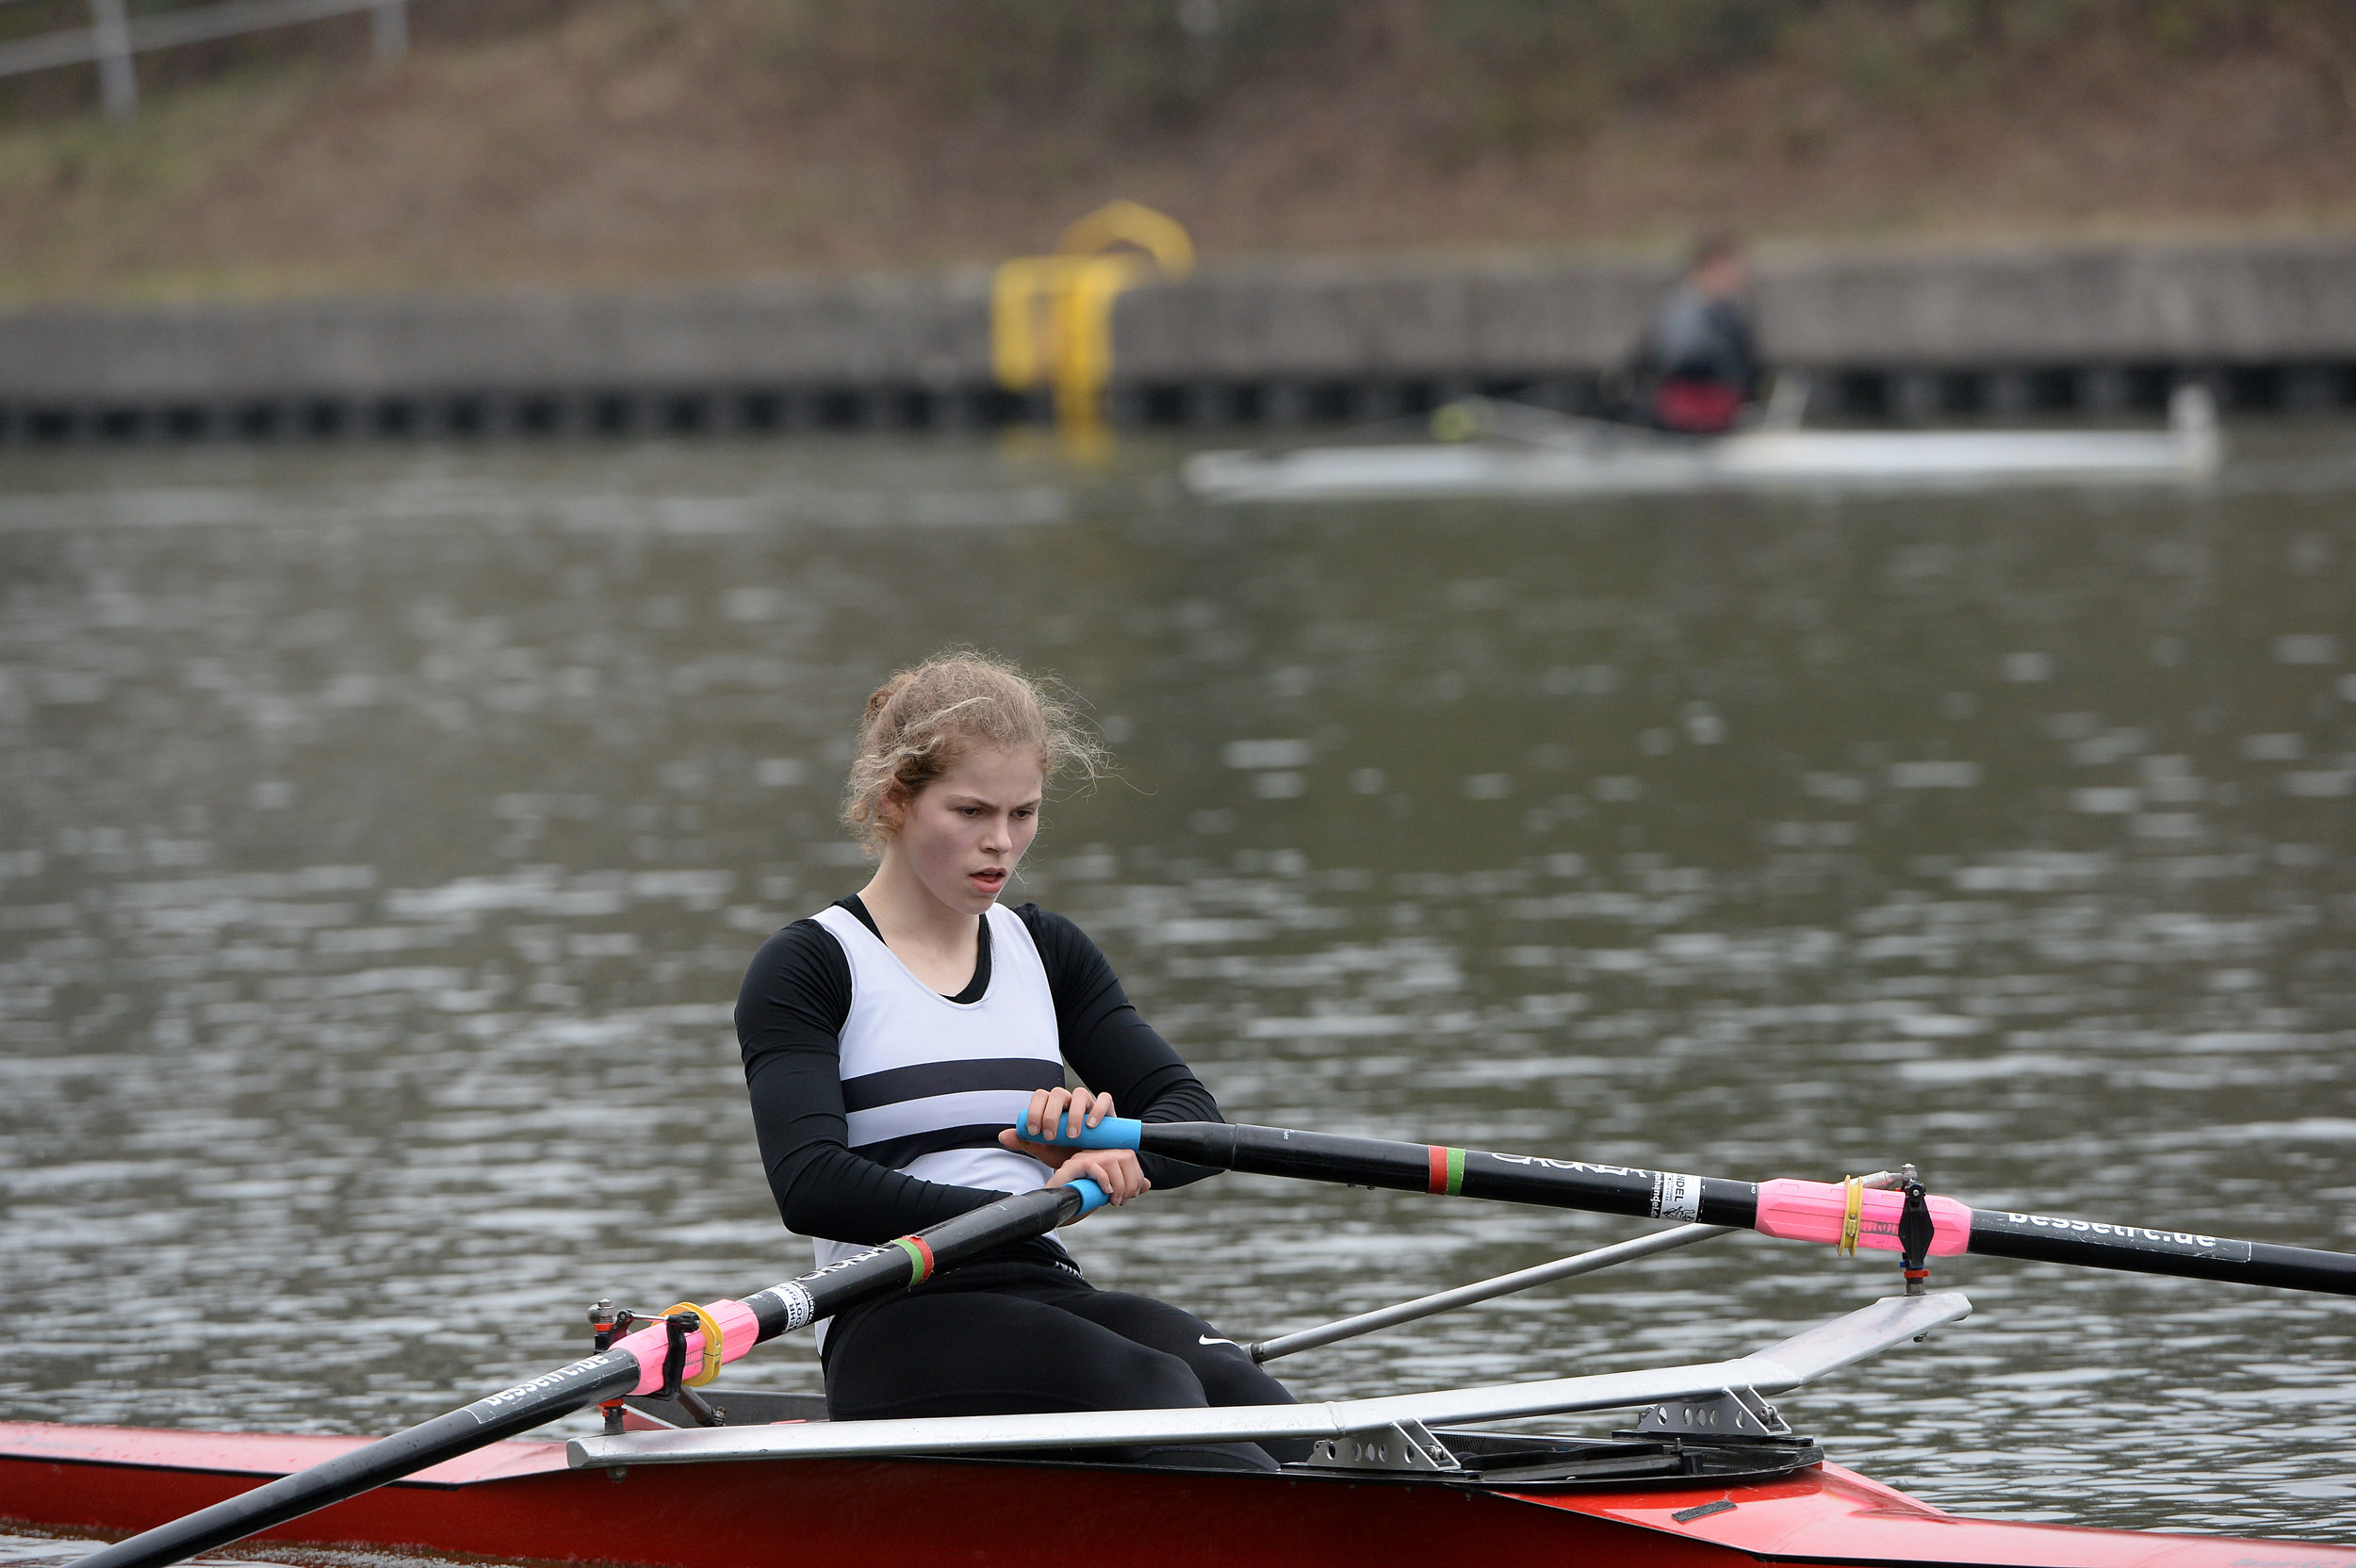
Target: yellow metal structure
[[1051, 317]]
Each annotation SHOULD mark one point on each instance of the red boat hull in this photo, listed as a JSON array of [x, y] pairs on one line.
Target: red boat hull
[[518, 1500]]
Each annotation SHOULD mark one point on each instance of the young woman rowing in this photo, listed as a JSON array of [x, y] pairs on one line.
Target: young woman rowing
[[892, 1039]]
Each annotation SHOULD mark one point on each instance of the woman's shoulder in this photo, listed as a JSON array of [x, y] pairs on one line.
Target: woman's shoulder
[[1063, 947], [799, 978], [1046, 922], [803, 947]]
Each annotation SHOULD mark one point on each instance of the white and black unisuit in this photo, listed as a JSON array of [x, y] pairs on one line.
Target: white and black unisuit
[[879, 1102]]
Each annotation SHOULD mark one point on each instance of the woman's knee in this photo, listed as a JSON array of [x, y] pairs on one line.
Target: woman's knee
[[977, 1353], [1136, 1377], [1235, 1378]]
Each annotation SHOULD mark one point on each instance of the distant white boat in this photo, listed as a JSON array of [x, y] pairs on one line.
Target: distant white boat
[[1515, 449]]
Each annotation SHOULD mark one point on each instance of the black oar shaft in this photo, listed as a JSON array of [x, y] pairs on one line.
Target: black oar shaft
[[781, 1308], [1707, 1200], [460, 1431], [1469, 1172], [2047, 1238], [912, 1260]]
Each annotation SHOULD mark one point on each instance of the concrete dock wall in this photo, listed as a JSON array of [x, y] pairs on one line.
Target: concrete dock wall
[[929, 330], [2284, 301], [464, 364], [1885, 333]]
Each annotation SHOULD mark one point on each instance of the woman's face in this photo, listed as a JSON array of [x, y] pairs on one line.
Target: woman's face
[[963, 833]]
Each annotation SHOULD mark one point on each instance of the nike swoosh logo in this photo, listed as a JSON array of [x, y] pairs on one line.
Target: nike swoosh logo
[[1207, 1339]]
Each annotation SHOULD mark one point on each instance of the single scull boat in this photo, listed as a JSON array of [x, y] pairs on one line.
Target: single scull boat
[[1707, 1472], [1501, 449]]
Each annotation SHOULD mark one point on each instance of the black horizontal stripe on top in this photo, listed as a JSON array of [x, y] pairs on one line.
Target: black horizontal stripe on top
[[897, 1152], [871, 1090]]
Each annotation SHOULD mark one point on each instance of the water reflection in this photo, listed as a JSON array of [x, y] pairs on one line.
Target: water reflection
[[387, 832]]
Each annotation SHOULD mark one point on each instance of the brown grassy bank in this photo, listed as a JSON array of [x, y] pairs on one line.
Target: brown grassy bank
[[605, 140]]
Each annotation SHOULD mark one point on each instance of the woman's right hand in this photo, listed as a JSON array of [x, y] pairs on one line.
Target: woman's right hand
[[1064, 1111]]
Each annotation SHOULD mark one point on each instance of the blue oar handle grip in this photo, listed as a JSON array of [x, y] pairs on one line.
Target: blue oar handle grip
[[1114, 1132], [1091, 1196]]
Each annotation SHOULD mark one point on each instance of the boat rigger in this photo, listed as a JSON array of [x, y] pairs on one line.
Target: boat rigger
[[1396, 1426]]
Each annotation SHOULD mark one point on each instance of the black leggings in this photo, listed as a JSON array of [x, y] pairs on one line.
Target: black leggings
[[1024, 1338]]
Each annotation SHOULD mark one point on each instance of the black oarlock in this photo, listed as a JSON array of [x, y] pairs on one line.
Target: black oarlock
[[603, 1318], [605, 1322], [1916, 1230], [676, 1328]]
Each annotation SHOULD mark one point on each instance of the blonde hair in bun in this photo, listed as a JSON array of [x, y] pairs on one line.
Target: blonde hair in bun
[[924, 719]]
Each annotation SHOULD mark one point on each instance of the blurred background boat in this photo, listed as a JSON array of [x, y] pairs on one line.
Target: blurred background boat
[[1510, 450]]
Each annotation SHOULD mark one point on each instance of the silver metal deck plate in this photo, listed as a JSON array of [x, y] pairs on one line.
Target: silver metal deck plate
[[1737, 1413], [1402, 1445]]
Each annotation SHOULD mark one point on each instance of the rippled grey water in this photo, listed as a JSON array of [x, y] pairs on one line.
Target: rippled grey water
[[386, 831]]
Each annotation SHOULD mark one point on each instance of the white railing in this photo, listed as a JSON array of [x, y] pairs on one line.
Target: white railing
[[113, 38]]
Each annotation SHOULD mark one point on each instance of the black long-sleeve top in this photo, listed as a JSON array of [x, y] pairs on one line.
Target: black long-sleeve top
[[790, 1017], [1696, 338]]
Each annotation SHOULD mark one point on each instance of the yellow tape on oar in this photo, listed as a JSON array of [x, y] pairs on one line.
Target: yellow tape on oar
[[714, 1344], [1852, 1217]]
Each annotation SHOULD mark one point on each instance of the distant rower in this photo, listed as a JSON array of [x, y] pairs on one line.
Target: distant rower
[[1696, 368]]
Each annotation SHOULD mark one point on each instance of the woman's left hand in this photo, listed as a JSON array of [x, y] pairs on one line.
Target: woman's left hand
[[1114, 1170]]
